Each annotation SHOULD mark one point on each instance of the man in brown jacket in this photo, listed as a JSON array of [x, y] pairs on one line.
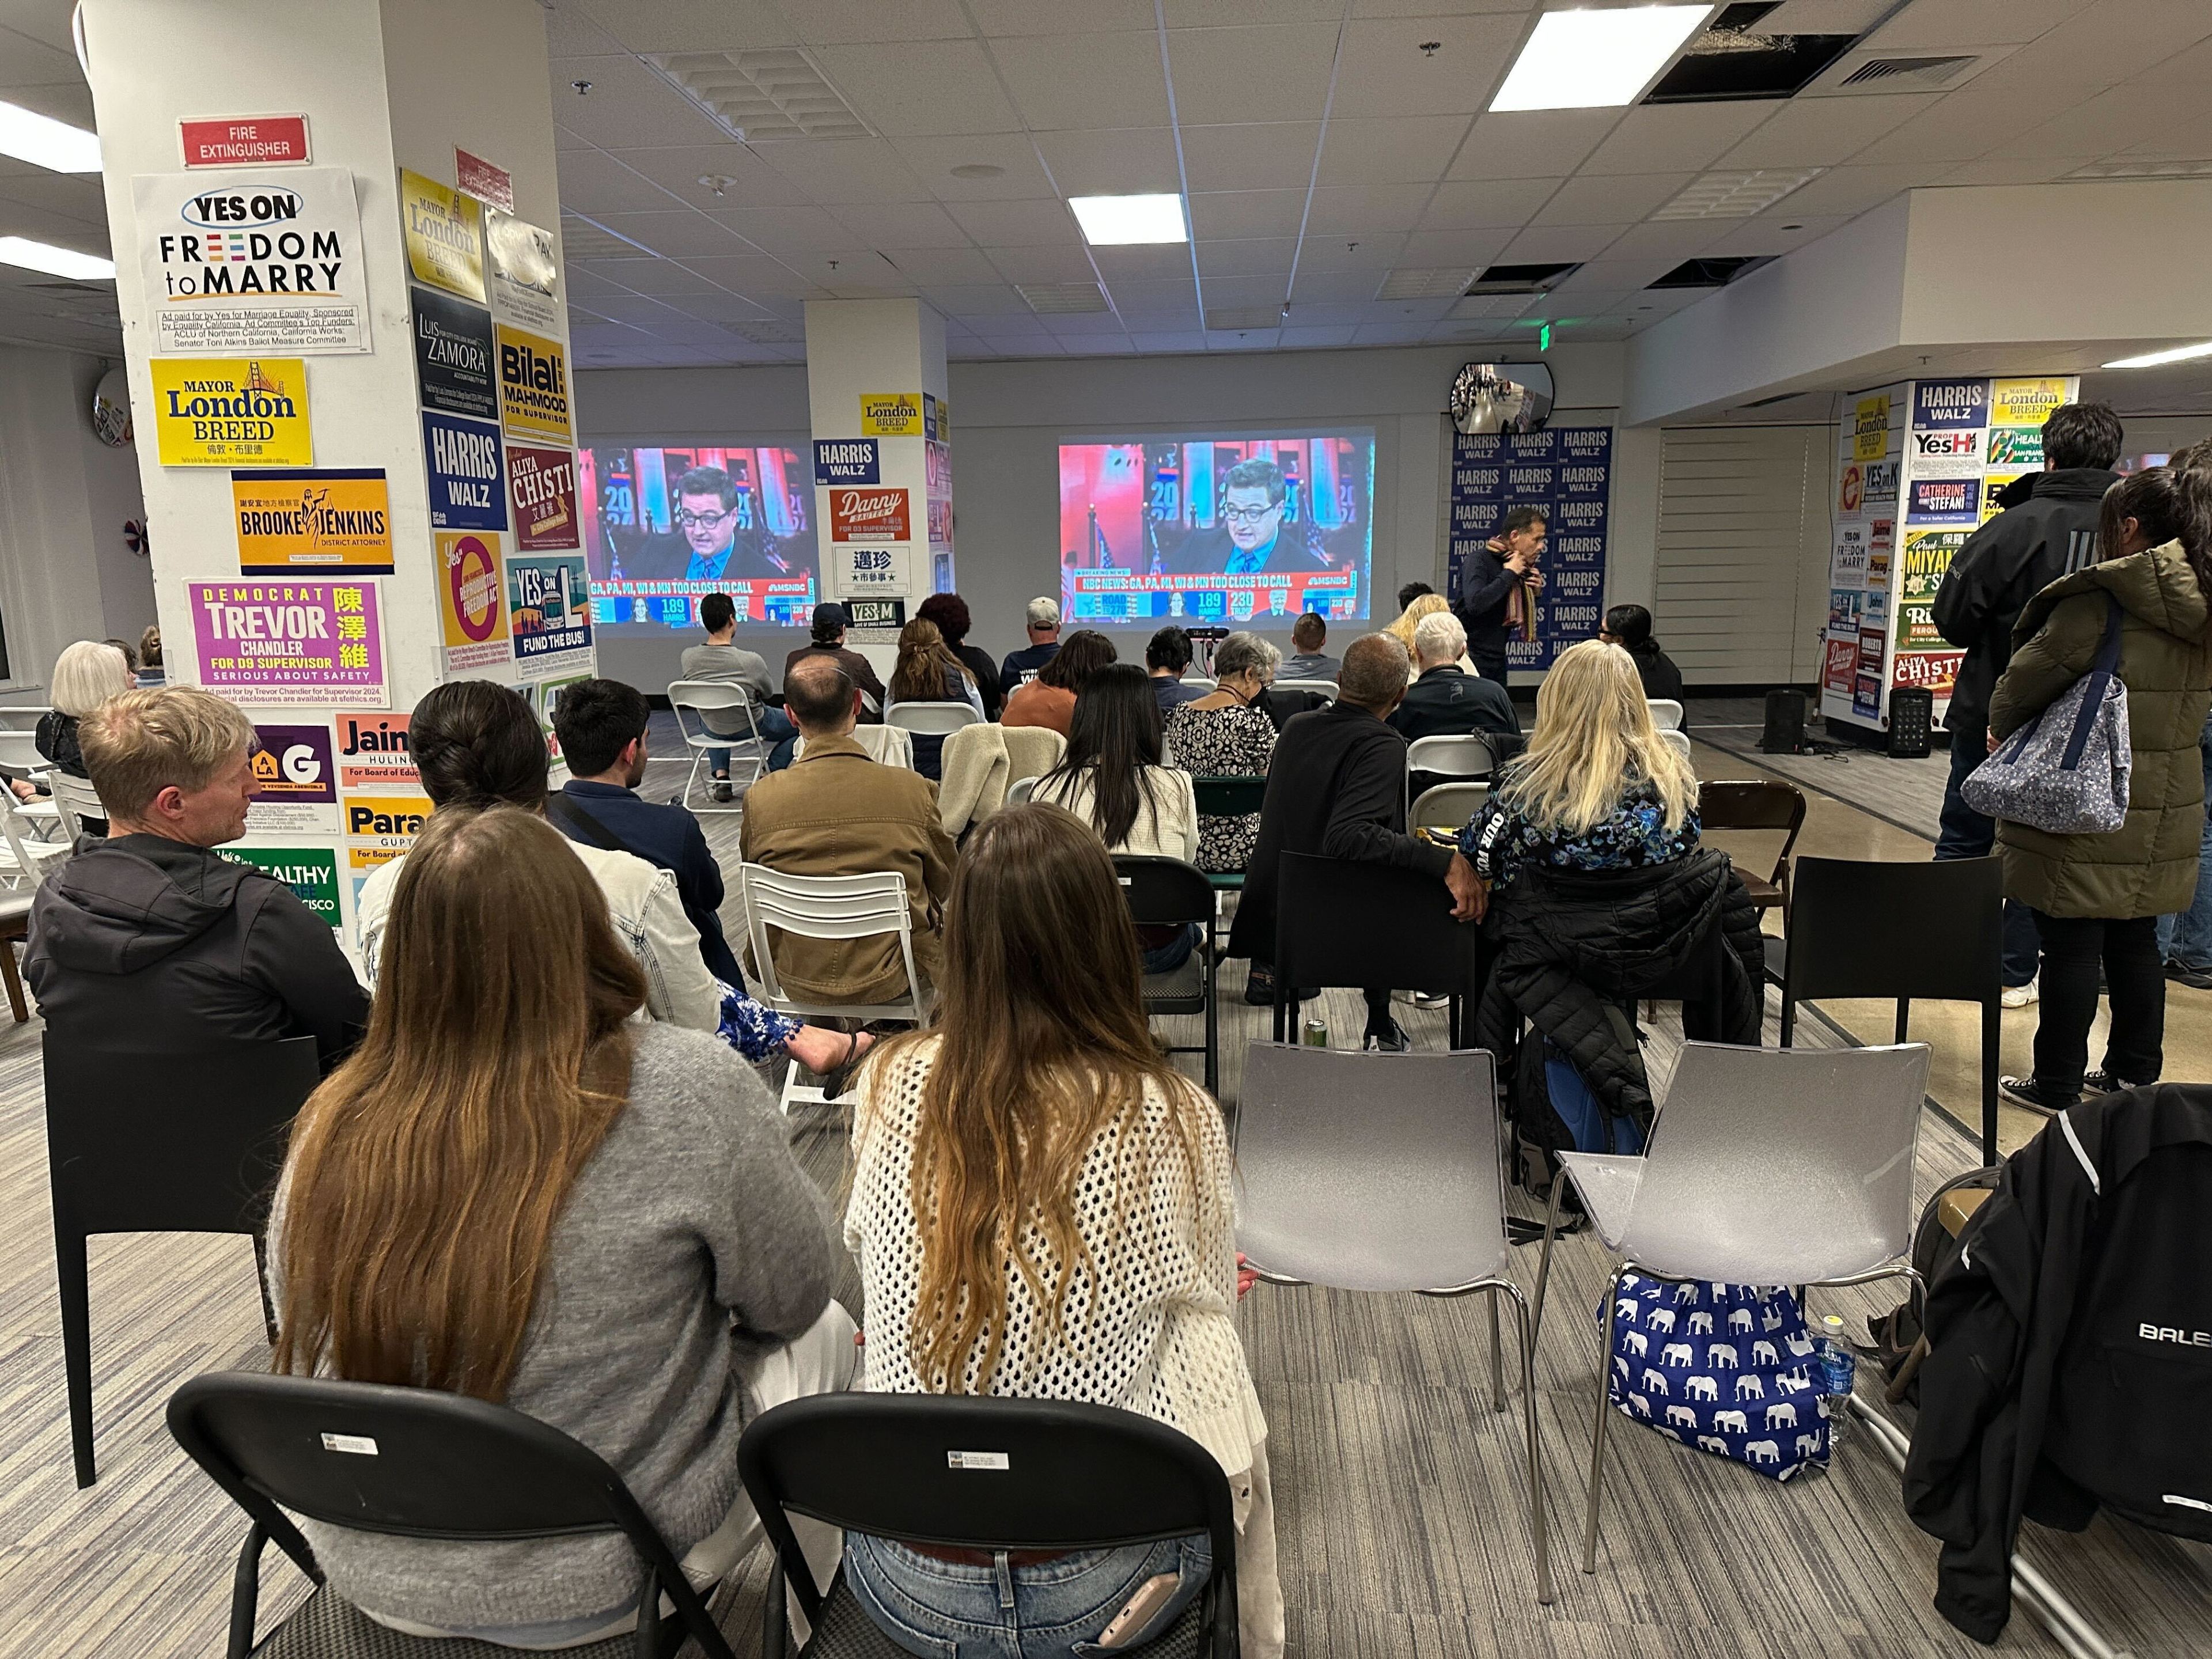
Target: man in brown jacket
[[836, 813]]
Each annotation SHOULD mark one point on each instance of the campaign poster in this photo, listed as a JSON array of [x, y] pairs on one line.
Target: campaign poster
[[467, 476], [1566, 473], [1840, 665], [219, 411], [1948, 453], [1882, 478], [444, 231], [847, 461], [890, 414], [548, 603], [861, 568], [311, 873], [521, 272], [533, 383], [541, 484], [1950, 405], [1933, 670], [289, 641], [1927, 556], [252, 260], [453, 355], [314, 522], [381, 828], [869, 515], [1851, 490], [1993, 485], [295, 780], [1945, 500], [2028, 402], [1847, 564], [470, 603], [372, 751], [1871, 427], [544, 699], [1881, 542], [2015, 449]]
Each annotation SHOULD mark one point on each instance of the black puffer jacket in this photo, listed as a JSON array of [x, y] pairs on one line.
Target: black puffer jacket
[[1572, 946]]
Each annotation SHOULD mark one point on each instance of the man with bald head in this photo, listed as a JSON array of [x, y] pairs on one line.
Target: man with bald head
[[1336, 787], [836, 813]]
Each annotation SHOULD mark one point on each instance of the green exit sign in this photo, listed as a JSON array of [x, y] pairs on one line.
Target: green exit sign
[[1544, 338]]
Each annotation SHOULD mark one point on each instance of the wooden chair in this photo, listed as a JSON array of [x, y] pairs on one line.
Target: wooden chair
[[1757, 804]]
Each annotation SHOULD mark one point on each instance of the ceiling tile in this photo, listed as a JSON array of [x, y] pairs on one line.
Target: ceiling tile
[[787, 229], [903, 224], [1016, 224], [931, 161], [756, 276], [1058, 16], [1384, 71], [666, 278], [1247, 213], [1062, 80], [1676, 138], [1821, 132], [1426, 249], [1375, 251], [976, 300], [677, 171], [1123, 162], [1179, 340], [1300, 337], [1320, 287], [593, 181], [1275, 73], [2110, 121], [1614, 276], [1415, 147], [1674, 241], [1619, 198], [1770, 233], [1082, 322], [944, 267], [629, 105], [837, 172], [1468, 205], [1260, 155], [824, 22], [1206, 13], [1559, 242], [1855, 189], [1268, 256], [1350, 210], [1159, 263], [1157, 293], [921, 88], [2003, 168], [675, 25], [1953, 24], [674, 234], [1243, 291], [1532, 144], [1160, 320], [1041, 265]]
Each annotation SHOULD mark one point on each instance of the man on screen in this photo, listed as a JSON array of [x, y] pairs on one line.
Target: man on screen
[[708, 545], [1251, 535]]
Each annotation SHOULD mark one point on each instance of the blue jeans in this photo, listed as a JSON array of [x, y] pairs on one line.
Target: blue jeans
[[775, 729], [1963, 833], [1166, 958], [1049, 1610], [2186, 936]]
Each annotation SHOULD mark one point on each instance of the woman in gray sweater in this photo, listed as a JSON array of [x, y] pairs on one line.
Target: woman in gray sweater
[[513, 1190]]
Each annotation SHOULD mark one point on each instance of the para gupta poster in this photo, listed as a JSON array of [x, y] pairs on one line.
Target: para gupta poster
[[289, 641]]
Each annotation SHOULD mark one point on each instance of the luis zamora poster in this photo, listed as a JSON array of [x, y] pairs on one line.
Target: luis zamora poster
[[548, 601]]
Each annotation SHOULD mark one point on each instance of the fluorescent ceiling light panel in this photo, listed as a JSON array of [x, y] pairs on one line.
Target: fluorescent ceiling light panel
[[55, 261], [45, 142], [2171, 355], [1120, 221], [1596, 59]]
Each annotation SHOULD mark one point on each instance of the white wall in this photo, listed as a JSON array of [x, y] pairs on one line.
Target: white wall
[[64, 572], [1008, 419]]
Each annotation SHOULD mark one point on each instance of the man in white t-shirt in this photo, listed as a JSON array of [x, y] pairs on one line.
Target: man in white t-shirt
[[721, 659]]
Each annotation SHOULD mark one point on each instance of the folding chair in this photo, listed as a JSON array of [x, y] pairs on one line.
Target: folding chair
[[1766, 1166], [1018, 792], [26, 864], [1344, 923], [1228, 797], [1871, 929], [1325, 689], [832, 908], [410, 1463], [887, 745], [1447, 806], [986, 1473], [700, 697], [1200, 683], [1468, 755], [1759, 804], [1385, 1173], [75, 801], [1168, 893], [1666, 713], [935, 720], [160, 1143], [1678, 741]]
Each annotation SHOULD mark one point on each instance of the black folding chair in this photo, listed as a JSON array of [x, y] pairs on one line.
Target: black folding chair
[[160, 1143], [1168, 893], [1342, 923], [1228, 797], [1757, 804], [982, 1473], [1875, 929], [411, 1463]]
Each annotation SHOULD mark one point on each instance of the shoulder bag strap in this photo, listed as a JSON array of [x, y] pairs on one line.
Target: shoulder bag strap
[[2092, 700], [563, 805]]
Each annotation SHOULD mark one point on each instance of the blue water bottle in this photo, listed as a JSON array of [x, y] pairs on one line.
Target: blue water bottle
[[1835, 1368]]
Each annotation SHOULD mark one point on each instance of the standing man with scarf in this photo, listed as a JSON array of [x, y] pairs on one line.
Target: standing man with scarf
[[1498, 602]]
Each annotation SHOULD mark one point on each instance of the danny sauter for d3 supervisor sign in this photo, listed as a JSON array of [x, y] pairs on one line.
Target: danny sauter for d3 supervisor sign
[[258, 260]]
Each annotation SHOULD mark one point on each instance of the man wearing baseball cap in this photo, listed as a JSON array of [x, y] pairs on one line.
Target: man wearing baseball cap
[[1021, 667]]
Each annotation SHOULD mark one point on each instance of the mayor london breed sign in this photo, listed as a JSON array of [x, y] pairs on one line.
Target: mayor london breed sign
[[253, 261]]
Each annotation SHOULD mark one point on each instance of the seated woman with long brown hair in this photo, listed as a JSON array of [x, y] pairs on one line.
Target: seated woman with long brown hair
[[514, 1191], [1041, 1207], [928, 672]]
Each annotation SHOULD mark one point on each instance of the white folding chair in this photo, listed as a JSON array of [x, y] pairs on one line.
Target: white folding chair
[[1450, 755], [19, 758], [75, 801], [1678, 739], [1666, 713], [887, 745], [1200, 683], [25, 861], [932, 720], [827, 908], [1019, 792], [698, 697], [1447, 806], [1766, 1166], [1384, 1173], [1318, 688]]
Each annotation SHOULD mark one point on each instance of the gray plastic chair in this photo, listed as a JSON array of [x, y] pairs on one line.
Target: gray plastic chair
[[1676, 739], [1450, 755], [1666, 713], [1019, 792], [1766, 1166], [1447, 806], [1384, 1173], [932, 720], [698, 698]]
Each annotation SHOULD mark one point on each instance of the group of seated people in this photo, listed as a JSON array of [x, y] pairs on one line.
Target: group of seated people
[[536, 1172]]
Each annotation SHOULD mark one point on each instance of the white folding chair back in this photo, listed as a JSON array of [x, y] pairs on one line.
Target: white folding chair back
[[1447, 805], [76, 799], [887, 745], [1666, 713], [1678, 739], [932, 720], [1019, 793], [724, 698], [19, 753], [1451, 756], [1318, 688], [24, 865], [22, 715], [1200, 683], [826, 908]]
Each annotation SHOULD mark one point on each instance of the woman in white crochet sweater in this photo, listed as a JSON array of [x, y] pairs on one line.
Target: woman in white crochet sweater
[[1036, 1093]]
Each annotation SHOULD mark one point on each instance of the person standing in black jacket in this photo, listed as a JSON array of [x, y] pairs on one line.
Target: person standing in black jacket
[[950, 612], [1498, 601], [1336, 787], [152, 940], [2003, 565]]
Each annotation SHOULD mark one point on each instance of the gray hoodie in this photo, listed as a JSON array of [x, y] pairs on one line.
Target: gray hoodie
[[143, 944]]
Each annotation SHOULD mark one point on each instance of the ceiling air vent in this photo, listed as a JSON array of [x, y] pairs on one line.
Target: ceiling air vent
[[581, 239], [1235, 320], [1430, 284], [761, 96], [767, 333], [1058, 299], [1735, 195], [1906, 74], [1523, 279]]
